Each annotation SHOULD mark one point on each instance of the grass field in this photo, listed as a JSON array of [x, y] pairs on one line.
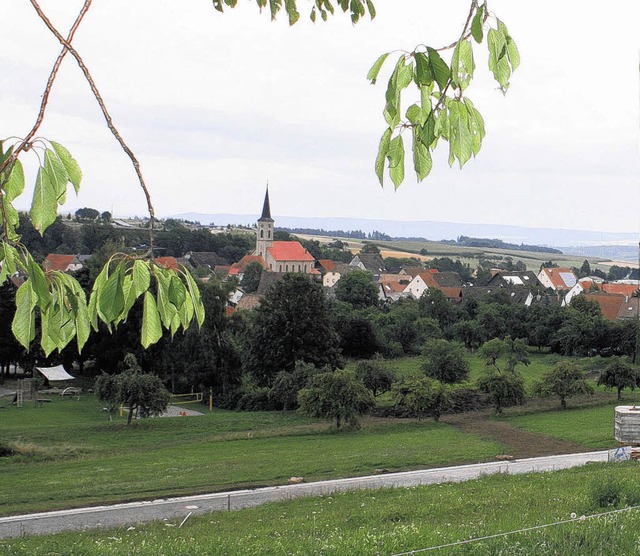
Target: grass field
[[393, 521], [69, 455]]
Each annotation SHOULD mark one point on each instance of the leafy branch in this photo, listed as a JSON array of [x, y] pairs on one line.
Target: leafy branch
[[443, 112]]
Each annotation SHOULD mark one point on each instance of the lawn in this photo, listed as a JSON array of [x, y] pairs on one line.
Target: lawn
[[590, 426], [392, 521], [69, 455]]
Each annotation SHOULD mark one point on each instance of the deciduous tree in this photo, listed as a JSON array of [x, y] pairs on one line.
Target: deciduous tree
[[337, 395]]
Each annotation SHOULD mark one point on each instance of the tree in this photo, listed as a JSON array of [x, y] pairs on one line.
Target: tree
[[358, 289], [142, 393], [87, 215], [251, 277], [357, 337], [446, 361], [565, 380], [375, 375], [421, 396], [504, 388], [619, 374], [291, 324], [286, 386], [585, 269], [337, 395]]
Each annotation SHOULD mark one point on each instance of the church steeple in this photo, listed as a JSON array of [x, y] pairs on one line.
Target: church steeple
[[266, 209], [264, 231]]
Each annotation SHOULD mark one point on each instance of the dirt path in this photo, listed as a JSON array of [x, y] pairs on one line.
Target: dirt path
[[521, 444]]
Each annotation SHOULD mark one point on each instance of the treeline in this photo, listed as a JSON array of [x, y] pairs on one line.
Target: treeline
[[466, 241], [89, 238]]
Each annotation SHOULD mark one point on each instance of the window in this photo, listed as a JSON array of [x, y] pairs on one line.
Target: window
[[261, 234]]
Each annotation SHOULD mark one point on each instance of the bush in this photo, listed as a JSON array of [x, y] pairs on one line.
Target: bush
[[462, 400], [256, 399]]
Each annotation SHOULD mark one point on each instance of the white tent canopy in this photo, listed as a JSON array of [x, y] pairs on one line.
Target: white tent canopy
[[54, 374]]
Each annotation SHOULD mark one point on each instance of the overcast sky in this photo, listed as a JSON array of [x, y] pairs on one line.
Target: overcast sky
[[214, 105]]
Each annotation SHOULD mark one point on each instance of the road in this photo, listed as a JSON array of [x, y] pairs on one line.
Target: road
[[131, 513]]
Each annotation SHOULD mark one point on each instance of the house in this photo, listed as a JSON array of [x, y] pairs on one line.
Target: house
[[449, 283], [208, 259], [558, 279], [503, 278], [391, 290], [339, 270], [369, 261], [630, 309], [237, 269], [62, 263], [610, 303], [168, 262]]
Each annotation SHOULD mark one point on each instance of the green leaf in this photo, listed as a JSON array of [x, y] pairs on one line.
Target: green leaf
[[96, 291], [396, 160], [427, 131], [14, 185], [177, 291], [274, 7], [415, 115], [111, 298], [57, 174], [422, 161], [24, 320], [8, 257], [186, 312], [383, 149], [194, 292], [375, 69], [151, 327], [371, 8], [439, 69], [292, 12], [512, 50], [424, 75], [141, 276], [460, 140], [498, 62], [165, 308], [462, 65], [44, 207], [476, 25], [71, 166], [38, 283], [476, 126]]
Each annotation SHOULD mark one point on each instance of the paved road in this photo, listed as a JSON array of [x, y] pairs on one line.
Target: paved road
[[179, 508]]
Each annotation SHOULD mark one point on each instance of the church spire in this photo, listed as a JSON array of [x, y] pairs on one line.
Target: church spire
[[266, 209]]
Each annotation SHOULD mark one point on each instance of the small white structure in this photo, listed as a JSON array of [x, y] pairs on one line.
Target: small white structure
[[627, 424]]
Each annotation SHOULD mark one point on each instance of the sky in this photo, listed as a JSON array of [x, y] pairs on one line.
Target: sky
[[217, 105]]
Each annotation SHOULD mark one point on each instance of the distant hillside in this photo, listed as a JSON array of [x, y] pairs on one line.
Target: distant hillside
[[614, 252], [434, 231]]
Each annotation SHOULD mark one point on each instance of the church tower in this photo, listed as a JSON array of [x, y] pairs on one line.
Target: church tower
[[264, 233]]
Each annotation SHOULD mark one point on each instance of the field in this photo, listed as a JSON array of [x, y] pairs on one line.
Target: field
[[68, 454], [396, 521]]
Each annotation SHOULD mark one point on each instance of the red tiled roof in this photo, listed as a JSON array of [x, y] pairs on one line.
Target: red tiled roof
[[54, 261], [245, 261], [610, 303], [555, 275], [624, 289], [168, 262], [289, 251], [393, 286], [327, 264]]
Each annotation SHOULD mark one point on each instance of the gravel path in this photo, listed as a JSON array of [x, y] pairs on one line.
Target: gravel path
[[120, 515]]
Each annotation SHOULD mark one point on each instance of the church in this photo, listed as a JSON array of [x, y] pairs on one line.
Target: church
[[280, 256]]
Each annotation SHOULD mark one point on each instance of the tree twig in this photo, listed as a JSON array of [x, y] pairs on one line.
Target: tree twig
[[105, 113]]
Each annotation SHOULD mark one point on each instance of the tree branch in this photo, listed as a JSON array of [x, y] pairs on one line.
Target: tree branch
[[105, 113], [25, 144]]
